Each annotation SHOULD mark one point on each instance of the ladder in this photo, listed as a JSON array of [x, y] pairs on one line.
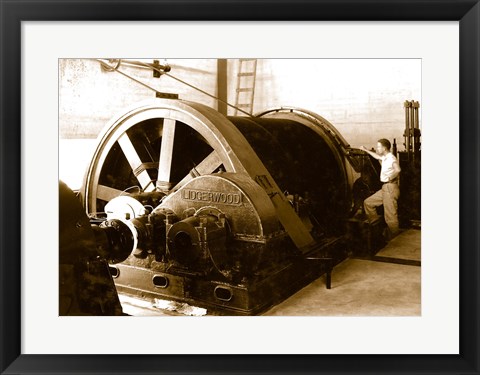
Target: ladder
[[247, 72]]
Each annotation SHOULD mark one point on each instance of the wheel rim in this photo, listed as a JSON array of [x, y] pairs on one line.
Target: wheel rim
[[138, 148]]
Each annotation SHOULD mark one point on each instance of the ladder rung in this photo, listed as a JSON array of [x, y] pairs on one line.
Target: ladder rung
[[243, 105], [246, 74], [245, 89], [247, 59]]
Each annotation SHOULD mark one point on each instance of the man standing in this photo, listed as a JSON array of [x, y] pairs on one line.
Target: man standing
[[390, 191]]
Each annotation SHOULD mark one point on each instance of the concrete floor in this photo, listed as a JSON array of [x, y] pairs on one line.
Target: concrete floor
[[388, 284], [363, 287], [404, 246]]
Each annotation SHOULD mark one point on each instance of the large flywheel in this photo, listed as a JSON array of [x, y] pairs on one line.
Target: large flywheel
[[161, 144]]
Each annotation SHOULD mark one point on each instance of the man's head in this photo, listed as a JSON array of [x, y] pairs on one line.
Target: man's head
[[383, 146]]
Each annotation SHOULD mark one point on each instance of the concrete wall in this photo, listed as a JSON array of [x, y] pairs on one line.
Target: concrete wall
[[89, 96], [362, 98]]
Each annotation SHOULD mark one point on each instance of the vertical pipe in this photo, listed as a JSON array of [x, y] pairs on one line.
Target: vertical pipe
[[412, 126], [412, 129], [222, 85], [406, 134], [417, 128], [412, 123]]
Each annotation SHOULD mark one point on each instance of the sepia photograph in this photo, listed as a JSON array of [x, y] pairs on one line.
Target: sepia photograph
[[240, 187]]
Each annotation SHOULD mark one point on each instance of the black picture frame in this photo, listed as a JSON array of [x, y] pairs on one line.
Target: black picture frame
[[12, 13]]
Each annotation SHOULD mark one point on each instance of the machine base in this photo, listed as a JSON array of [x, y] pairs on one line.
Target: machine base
[[365, 238], [223, 298]]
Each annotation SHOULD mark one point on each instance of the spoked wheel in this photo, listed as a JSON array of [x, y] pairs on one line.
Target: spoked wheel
[[158, 146]]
